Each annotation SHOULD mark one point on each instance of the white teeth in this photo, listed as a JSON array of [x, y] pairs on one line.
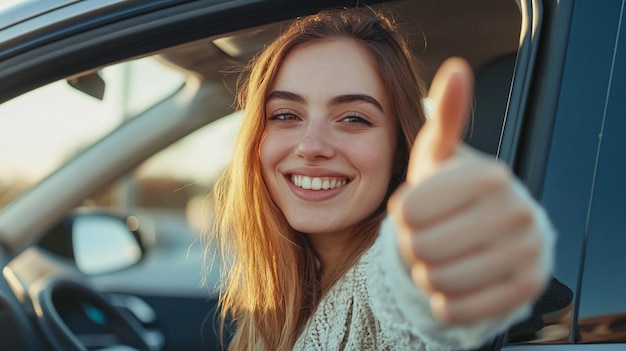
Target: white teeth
[[316, 183], [306, 183], [326, 184]]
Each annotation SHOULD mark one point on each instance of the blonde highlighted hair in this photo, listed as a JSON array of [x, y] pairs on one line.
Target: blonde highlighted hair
[[271, 282]]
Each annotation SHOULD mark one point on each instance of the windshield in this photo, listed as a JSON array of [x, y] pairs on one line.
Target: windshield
[[43, 129]]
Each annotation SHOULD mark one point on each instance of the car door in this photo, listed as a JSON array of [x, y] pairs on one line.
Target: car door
[[571, 155]]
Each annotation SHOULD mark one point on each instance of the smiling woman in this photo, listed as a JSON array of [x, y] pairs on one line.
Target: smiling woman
[[331, 110]]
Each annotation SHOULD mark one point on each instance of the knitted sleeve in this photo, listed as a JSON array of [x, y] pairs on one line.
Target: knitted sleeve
[[399, 305]]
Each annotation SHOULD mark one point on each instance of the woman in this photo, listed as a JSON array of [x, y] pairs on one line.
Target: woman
[[332, 108]]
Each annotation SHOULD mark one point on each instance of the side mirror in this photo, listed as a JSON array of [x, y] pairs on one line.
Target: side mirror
[[103, 243], [98, 242]]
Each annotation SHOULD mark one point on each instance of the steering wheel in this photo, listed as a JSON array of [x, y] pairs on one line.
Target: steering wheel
[[47, 303]]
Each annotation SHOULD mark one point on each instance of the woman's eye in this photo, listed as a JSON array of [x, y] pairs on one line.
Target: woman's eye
[[356, 120], [283, 117]]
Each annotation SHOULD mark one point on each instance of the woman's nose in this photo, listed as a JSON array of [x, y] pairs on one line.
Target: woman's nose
[[315, 143]]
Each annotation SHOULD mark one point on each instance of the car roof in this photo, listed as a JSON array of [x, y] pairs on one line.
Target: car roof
[[18, 11]]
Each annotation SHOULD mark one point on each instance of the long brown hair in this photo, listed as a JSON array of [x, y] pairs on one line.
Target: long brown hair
[[271, 281]]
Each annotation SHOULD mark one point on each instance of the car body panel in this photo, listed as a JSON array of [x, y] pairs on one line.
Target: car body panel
[[21, 12], [565, 162]]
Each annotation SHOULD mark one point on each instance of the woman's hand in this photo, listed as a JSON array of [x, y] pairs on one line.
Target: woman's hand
[[470, 235]]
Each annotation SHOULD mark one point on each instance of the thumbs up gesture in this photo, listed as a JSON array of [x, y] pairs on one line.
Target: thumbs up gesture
[[471, 237]]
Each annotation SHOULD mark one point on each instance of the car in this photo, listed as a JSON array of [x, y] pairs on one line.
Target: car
[[117, 116]]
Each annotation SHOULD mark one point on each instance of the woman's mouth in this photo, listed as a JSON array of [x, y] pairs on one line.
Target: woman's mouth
[[318, 183]]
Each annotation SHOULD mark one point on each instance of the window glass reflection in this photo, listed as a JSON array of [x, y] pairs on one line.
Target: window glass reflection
[[602, 316]]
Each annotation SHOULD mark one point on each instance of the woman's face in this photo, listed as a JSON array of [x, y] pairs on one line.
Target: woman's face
[[330, 138]]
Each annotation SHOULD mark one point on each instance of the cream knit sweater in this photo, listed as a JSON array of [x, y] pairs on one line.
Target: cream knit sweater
[[376, 306]]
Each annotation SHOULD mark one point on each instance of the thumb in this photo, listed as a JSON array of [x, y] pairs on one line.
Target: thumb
[[450, 97]]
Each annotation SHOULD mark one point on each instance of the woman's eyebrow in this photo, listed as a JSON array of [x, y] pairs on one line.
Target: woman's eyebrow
[[348, 98], [285, 95], [337, 100]]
